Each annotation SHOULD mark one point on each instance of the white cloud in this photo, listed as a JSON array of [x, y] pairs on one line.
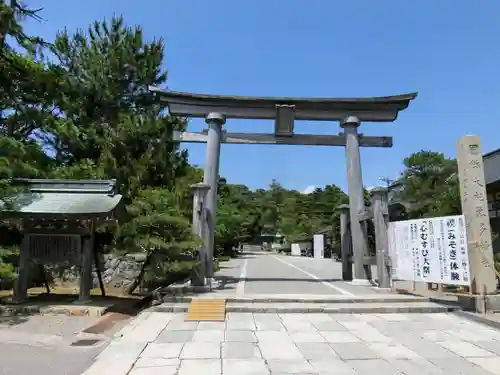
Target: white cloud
[[309, 189]]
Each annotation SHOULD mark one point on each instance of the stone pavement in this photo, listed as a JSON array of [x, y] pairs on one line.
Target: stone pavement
[[342, 344]]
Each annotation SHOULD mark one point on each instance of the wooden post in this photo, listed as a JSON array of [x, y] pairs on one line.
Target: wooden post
[[199, 229], [23, 276], [380, 219], [345, 243], [475, 210], [87, 263]]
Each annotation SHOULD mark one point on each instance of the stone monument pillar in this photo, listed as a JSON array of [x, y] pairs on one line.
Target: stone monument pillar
[[211, 178], [199, 229], [380, 220], [345, 243], [355, 190], [475, 210]]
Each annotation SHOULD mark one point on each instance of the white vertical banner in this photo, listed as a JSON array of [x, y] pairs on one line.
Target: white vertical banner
[[319, 246], [430, 250]]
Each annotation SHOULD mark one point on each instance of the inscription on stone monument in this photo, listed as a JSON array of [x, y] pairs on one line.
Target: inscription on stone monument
[[475, 210]]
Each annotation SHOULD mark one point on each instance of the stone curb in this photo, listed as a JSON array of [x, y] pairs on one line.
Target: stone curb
[[317, 309], [233, 299], [481, 319]]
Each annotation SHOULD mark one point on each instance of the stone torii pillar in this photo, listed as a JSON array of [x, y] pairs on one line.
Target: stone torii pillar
[[380, 207], [211, 178], [345, 243], [362, 272], [199, 228]]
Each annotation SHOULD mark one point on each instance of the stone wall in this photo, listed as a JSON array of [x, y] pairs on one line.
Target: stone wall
[[118, 271]]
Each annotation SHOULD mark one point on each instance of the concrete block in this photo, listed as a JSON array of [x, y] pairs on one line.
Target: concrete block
[[465, 349], [247, 366], [181, 325], [489, 345], [162, 350], [306, 336], [339, 336], [158, 362], [369, 334], [268, 322], [280, 350], [415, 367], [148, 329], [245, 323], [211, 326], [122, 350], [240, 336], [426, 349], [355, 350], [201, 350], [316, 350], [327, 325], [325, 366], [392, 351], [273, 336], [200, 366], [290, 366], [372, 367], [491, 364], [240, 350], [111, 367], [460, 366], [208, 336], [175, 336]]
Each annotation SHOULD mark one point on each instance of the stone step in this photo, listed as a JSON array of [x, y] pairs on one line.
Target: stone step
[[299, 298], [307, 307]]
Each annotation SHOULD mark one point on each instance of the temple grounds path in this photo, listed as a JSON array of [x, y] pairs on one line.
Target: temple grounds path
[[269, 273]]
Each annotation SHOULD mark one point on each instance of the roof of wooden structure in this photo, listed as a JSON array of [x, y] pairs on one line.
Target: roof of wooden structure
[[57, 199]]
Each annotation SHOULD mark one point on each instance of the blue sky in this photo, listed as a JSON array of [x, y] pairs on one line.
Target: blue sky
[[446, 50]]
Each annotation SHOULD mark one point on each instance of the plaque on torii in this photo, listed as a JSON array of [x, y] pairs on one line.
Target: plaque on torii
[[350, 112]]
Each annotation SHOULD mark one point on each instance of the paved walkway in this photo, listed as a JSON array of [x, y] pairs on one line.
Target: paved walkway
[[42, 345], [321, 344], [268, 273]]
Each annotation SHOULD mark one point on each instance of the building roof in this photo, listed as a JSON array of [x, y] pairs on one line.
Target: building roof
[[62, 198], [491, 153]]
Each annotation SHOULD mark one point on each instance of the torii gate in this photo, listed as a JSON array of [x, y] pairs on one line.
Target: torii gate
[[350, 112]]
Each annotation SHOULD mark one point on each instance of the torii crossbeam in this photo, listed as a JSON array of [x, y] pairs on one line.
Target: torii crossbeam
[[348, 111]]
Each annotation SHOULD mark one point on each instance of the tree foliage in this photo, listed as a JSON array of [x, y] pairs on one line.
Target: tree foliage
[[430, 185], [85, 114]]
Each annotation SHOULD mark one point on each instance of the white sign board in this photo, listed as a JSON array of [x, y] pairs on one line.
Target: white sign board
[[319, 246], [430, 250], [296, 249]]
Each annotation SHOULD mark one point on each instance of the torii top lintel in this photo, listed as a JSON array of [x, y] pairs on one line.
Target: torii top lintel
[[375, 109]]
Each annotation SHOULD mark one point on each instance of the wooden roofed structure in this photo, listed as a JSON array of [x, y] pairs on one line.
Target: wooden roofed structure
[[58, 220]]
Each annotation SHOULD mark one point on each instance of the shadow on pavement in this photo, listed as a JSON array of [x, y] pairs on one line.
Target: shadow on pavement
[[16, 319]]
